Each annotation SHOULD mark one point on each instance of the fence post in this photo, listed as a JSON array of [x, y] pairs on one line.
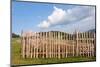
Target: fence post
[[88, 44], [77, 49], [26, 46], [23, 44], [66, 44], [73, 43], [46, 46], [58, 45], [31, 47], [92, 49], [34, 44], [41, 44]]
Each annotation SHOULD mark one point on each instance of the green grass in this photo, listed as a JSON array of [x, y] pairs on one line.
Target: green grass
[[16, 58]]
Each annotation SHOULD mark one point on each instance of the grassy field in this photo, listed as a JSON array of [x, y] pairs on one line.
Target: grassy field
[[16, 58]]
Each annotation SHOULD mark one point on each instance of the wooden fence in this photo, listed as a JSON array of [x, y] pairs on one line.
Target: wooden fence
[[55, 44]]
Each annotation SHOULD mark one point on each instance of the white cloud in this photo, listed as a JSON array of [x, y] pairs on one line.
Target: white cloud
[[44, 24], [57, 16], [80, 16]]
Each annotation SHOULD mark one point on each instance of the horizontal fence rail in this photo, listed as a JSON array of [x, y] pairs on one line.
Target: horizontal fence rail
[[57, 44]]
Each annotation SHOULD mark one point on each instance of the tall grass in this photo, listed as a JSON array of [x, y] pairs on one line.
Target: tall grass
[[16, 58]]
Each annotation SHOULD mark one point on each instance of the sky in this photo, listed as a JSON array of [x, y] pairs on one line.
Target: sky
[[36, 17]]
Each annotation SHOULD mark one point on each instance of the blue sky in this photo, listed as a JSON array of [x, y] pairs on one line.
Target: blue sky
[[28, 16]]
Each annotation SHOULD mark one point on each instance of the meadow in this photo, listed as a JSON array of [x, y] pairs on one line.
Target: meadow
[[16, 58]]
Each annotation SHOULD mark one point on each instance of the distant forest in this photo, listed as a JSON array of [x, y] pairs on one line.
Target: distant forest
[[15, 35]]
